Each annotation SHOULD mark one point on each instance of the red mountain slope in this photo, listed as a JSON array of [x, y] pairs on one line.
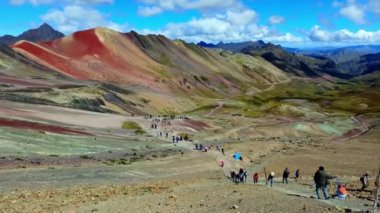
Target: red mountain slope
[[95, 54]]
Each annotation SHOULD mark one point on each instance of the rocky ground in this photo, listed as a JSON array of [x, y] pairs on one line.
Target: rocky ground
[[117, 170]]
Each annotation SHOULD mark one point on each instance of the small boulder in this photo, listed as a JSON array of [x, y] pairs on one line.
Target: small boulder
[[235, 207]]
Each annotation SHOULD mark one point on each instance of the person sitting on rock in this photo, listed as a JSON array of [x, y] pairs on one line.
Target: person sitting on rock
[[341, 191]]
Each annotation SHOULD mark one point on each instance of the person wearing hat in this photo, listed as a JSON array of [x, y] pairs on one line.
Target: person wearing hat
[[271, 178], [321, 179], [364, 181]]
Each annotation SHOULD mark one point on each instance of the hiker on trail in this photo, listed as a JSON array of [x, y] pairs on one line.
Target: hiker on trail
[[255, 177], [241, 170], [173, 139], [196, 146], [167, 135], [237, 178], [221, 163], [222, 150], [245, 176], [321, 179], [177, 139], [241, 175], [160, 134], [271, 178], [297, 175], [285, 175], [364, 181], [341, 191], [232, 175]]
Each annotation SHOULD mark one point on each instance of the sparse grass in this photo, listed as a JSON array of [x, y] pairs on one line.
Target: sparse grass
[[202, 109], [165, 60], [133, 126]]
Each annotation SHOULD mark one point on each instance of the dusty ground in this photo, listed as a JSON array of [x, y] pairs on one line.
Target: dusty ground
[[118, 171]]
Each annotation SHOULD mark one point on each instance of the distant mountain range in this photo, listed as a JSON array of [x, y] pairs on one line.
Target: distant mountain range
[[234, 47], [43, 33], [341, 54], [295, 64], [343, 62]]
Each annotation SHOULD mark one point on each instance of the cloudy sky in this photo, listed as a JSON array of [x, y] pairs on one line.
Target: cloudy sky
[[287, 22]]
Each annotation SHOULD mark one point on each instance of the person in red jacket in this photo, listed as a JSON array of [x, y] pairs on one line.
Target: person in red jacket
[[255, 178]]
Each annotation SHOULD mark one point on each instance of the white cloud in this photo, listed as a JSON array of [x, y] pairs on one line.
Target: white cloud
[[317, 34], [276, 20], [153, 7], [353, 12], [357, 12], [231, 26], [149, 11], [343, 36], [78, 17]]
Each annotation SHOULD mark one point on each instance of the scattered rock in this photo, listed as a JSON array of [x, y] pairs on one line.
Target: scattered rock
[[235, 207]]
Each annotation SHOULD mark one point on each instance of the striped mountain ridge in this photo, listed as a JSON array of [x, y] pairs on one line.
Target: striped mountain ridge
[[151, 61]]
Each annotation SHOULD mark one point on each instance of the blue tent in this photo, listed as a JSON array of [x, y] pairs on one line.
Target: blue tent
[[236, 156]]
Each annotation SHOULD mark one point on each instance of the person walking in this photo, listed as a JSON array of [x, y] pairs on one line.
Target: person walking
[[321, 179], [364, 181], [271, 178], [255, 177], [245, 176], [297, 174], [285, 176]]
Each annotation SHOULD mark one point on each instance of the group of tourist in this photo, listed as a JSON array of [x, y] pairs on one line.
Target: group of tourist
[[205, 148], [161, 123], [239, 177], [271, 177], [321, 177], [321, 180]]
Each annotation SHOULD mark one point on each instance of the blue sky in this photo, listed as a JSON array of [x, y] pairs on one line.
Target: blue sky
[[287, 22]]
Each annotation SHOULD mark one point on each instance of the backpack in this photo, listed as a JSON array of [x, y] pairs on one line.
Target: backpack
[[361, 179]]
